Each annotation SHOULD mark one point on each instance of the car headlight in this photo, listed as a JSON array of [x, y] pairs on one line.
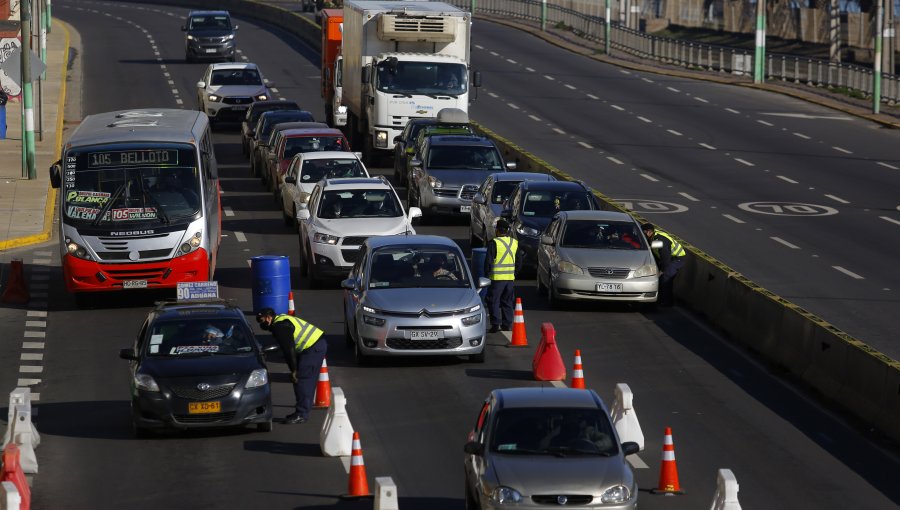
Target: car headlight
[[369, 309], [645, 270], [381, 138], [527, 231], [617, 494], [325, 238], [191, 244], [505, 495], [342, 109], [76, 250], [190, 37], [145, 382], [474, 309], [229, 37], [258, 377], [434, 182], [214, 98], [565, 266], [471, 320], [262, 97], [373, 321]]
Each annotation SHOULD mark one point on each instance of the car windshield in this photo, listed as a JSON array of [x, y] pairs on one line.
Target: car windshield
[[210, 23], [359, 203], [463, 157], [235, 77], [199, 337], [553, 431], [609, 235], [255, 113], [545, 204], [416, 267], [502, 190], [298, 144], [314, 170], [270, 119], [426, 78]]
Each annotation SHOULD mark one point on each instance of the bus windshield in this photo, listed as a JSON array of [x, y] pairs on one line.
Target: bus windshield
[[127, 186]]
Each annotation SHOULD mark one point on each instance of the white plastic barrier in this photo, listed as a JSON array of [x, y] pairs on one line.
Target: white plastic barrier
[[336, 436], [21, 431], [10, 499], [625, 417], [386, 494], [726, 497]]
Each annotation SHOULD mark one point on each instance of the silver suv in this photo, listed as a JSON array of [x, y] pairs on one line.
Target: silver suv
[[226, 91], [209, 34]]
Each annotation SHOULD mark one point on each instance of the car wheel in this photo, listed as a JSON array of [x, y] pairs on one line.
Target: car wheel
[[478, 358], [265, 426]]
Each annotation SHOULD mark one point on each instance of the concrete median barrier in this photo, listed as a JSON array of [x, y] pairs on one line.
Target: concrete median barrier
[[386, 494], [21, 431], [336, 436], [10, 499], [624, 416], [726, 497]]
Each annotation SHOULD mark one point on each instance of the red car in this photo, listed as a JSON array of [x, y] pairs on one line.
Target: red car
[[294, 141]]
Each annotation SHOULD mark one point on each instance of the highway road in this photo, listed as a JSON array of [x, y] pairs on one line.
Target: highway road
[[726, 410]]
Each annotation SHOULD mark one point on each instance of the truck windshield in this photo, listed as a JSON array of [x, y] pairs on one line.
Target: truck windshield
[[426, 78]]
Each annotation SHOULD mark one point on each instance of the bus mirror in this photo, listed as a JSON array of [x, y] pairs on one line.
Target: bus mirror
[[476, 79], [54, 175]]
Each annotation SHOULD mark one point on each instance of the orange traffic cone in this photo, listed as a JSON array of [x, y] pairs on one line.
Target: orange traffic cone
[[359, 485], [519, 339], [291, 303], [16, 292], [323, 388], [578, 372], [668, 472]]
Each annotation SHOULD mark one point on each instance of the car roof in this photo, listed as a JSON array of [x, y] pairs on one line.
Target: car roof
[[554, 185], [460, 140], [544, 396], [257, 104], [340, 183], [382, 241], [167, 310], [284, 126], [234, 65], [522, 176], [306, 156], [208, 13], [292, 132], [596, 215]]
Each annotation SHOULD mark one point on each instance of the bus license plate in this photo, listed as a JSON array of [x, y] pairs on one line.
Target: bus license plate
[[134, 284], [426, 334], [465, 208], [204, 407], [609, 287]]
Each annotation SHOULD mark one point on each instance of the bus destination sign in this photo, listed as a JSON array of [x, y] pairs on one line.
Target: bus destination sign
[[150, 157]]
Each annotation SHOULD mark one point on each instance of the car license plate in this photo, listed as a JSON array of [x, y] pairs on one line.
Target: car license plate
[[210, 50], [204, 407], [465, 208], [134, 284], [426, 334], [609, 287], [239, 108]]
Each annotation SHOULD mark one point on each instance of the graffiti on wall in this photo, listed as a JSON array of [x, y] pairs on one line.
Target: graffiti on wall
[[10, 41]]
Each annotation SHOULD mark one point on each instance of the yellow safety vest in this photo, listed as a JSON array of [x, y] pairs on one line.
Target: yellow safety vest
[[305, 334], [504, 267], [677, 249]]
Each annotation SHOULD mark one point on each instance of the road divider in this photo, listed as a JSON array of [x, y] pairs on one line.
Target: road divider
[[20, 431], [547, 364], [726, 496], [386, 494], [10, 499], [12, 472], [336, 436], [624, 416]]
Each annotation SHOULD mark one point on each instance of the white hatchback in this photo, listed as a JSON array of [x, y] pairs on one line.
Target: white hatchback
[[339, 216], [307, 169], [226, 91]]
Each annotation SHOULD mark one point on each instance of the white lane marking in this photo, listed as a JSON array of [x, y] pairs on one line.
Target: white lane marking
[[35, 334], [849, 273], [787, 179], [585, 145], [28, 382], [275, 91], [701, 99], [676, 133], [35, 324], [171, 82], [744, 162], [650, 178], [805, 116], [31, 369], [706, 145], [167, 75], [838, 199], [240, 237], [511, 105], [534, 118], [892, 167], [689, 197], [492, 94], [549, 77], [228, 211], [480, 47], [636, 462], [32, 345], [36, 313], [511, 61], [249, 264], [43, 254], [892, 220], [560, 131], [592, 96], [801, 135], [179, 101], [530, 70], [645, 119], [841, 149], [617, 107], [673, 89], [31, 356], [623, 71], [35, 397], [764, 123], [570, 87], [558, 384], [41, 261], [734, 219], [495, 54], [648, 80], [732, 110], [614, 160], [782, 241], [175, 91], [507, 335]]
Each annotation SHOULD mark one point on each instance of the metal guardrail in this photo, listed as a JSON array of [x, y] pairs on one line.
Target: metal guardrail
[[850, 78]]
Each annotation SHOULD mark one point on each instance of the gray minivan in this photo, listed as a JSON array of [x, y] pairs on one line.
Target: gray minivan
[[209, 35]]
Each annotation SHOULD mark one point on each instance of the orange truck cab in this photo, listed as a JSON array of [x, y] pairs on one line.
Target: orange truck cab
[[332, 25]]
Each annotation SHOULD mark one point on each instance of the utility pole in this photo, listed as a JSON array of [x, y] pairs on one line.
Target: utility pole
[[28, 117], [887, 64], [759, 58], [876, 75], [608, 26]]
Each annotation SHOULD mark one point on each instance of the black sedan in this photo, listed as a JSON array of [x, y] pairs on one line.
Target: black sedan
[[197, 365]]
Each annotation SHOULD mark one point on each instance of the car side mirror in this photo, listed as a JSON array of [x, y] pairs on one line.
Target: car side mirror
[[55, 178], [290, 179], [547, 239], [349, 284], [511, 166], [237, 27], [414, 212], [415, 162], [479, 198], [483, 282], [303, 214], [397, 139], [474, 448], [656, 244], [630, 448], [128, 354], [201, 85], [507, 214]]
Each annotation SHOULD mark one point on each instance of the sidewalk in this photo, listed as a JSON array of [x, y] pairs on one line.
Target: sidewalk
[[27, 206]]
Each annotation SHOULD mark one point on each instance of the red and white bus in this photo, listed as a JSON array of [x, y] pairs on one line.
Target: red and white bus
[[139, 205]]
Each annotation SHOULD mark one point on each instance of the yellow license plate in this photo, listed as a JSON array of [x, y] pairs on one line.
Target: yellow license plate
[[204, 407]]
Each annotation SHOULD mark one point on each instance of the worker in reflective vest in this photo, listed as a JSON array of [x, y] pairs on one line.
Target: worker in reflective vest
[[304, 351], [500, 265], [669, 258]]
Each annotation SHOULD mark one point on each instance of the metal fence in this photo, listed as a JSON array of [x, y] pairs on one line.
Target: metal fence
[[850, 78]]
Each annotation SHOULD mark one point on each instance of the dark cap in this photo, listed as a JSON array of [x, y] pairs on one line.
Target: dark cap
[[264, 312], [647, 226], [502, 225]]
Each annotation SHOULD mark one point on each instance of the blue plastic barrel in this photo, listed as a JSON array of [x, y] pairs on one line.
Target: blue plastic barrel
[[271, 284], [3, 122], [478, 256]]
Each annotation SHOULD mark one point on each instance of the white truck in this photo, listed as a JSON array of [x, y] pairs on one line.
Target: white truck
[[402, 60]]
